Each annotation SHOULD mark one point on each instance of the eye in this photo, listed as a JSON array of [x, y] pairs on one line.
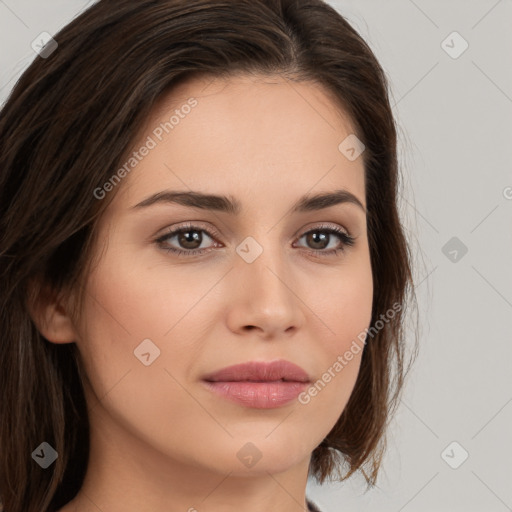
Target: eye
[[190, 238], [321, 237]]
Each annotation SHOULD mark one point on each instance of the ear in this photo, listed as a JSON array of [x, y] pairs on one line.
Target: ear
[[49, 313]]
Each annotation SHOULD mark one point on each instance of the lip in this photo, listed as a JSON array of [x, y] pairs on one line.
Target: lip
[[260, 371], [260, 385]]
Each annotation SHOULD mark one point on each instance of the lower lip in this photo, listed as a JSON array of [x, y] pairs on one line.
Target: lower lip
[[259, 395]]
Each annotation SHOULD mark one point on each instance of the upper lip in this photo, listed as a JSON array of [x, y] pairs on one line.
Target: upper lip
[[258, 371]]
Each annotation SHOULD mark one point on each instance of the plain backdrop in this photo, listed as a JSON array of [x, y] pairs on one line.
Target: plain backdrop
[[450, 71]]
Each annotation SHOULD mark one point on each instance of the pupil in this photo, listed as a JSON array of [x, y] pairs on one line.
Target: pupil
[[318, 238], [188, 238]]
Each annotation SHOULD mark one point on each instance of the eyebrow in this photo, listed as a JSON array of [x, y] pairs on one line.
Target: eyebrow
[[230, 205]]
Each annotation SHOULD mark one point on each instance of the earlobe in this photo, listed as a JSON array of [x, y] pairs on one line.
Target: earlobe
[[52, 319]]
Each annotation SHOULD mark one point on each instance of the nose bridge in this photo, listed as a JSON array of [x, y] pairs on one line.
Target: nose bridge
[[265, 274], [265, 298]]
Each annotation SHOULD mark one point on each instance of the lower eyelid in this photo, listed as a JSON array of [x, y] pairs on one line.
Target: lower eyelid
[[338, 233]]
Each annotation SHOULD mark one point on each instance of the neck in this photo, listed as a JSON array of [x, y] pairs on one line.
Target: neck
[[125, 474]]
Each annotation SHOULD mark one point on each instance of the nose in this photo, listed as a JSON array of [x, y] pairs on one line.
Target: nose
[[267, 298]]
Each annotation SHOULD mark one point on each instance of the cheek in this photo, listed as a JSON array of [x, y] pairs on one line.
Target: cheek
[[118, 315], [344, 305], [128, 302], [121, 310], [344, 310]]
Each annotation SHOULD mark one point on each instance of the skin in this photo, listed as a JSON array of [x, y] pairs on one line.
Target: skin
[[159, 440]]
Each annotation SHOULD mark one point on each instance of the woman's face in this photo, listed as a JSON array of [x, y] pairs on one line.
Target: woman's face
[[267, 287]]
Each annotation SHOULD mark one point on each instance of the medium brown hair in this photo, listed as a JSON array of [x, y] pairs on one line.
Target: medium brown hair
[[63, 132]]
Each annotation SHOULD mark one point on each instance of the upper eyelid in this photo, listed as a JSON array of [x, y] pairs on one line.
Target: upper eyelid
[[196, 225]]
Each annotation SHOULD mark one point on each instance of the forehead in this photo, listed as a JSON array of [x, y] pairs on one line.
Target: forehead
[[243, 134]]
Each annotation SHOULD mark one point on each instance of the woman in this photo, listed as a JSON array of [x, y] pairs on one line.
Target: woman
[[203, 271]]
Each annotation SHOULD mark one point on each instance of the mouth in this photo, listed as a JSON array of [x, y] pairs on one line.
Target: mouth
[[260, 371], [253, 380], [259, 385]]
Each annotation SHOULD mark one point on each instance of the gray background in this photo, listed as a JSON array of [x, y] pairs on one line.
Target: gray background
[[455, 118]]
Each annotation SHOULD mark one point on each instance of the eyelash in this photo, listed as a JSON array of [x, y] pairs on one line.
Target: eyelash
[[346, 239]]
